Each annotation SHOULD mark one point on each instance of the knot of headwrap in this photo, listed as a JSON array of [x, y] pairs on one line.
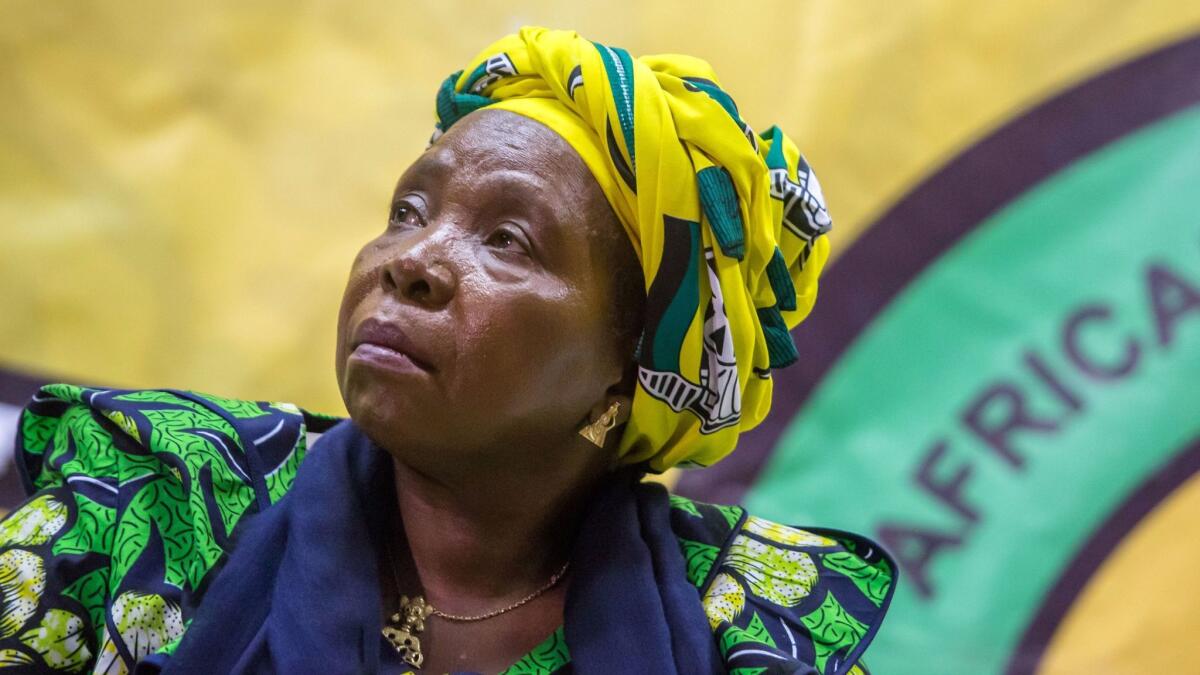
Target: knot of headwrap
[[727, 224]]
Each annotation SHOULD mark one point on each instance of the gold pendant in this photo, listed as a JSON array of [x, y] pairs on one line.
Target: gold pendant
[[403, 637]]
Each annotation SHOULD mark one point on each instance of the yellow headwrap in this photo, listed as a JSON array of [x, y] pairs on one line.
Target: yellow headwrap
[[727, 224]]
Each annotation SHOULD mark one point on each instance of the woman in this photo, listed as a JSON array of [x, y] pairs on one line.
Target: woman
[[512, 366]]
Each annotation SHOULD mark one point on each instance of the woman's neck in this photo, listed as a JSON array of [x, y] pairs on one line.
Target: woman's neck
[[476, 547]]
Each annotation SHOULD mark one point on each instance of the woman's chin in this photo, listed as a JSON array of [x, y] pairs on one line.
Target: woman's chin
[[377, 408], [392, 422]]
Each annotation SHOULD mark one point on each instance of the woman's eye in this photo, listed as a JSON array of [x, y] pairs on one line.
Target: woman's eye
[[404, 214], [504, 239]]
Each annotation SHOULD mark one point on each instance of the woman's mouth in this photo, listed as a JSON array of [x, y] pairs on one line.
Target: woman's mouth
[[386, 357], [384, 344]]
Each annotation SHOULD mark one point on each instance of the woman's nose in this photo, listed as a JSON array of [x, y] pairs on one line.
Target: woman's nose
[[419, 277]]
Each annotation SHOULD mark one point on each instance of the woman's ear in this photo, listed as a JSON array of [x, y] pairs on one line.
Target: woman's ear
[[623, 392], [605, 424], [620, 395], [624, 408]]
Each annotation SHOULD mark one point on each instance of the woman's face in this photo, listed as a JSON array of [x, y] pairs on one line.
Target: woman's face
[[479, 325]]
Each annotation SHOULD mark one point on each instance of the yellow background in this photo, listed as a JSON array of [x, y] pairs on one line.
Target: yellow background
[[184, 184]]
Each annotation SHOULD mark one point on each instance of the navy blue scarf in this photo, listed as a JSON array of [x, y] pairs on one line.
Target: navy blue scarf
[[300, 592]]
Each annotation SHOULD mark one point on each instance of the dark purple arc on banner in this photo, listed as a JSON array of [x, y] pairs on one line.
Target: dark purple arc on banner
[[1105, 539], [16, 387], [943, 209]]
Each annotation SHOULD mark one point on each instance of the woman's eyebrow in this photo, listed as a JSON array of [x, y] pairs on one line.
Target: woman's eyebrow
[[429, 167]]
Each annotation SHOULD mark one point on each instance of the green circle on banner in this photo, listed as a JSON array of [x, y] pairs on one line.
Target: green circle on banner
[[992, 419]]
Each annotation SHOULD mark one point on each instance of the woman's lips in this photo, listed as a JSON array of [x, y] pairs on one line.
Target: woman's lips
[[387, 358], [384, 343]]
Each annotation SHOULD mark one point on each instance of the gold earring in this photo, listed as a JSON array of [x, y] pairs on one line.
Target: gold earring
[[596, 431]]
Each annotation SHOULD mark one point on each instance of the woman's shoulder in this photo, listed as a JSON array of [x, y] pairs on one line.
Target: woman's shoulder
[[136, 494], [103, 437], [775, 591]]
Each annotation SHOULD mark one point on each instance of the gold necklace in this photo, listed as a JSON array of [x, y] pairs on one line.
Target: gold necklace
[[409, 620]]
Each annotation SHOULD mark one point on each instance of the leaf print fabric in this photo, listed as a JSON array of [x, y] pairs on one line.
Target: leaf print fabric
[[22, 580], [137, 495], [60, 639], [35, 522], [833, 630], [782, 575], [782, 534], [779, 598], [724, 600]]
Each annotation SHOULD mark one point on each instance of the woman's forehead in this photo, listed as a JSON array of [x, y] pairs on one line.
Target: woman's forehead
[[503, 140]]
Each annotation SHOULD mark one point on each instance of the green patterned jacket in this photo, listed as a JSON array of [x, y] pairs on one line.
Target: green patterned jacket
[[136, 494]]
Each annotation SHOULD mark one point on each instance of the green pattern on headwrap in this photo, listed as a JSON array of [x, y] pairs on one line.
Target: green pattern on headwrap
[[477, 74], [619, 66], [671, 327], [720, 203], [775, 158], [779, 341], [453, 106], [717, 94], [781, 282]]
